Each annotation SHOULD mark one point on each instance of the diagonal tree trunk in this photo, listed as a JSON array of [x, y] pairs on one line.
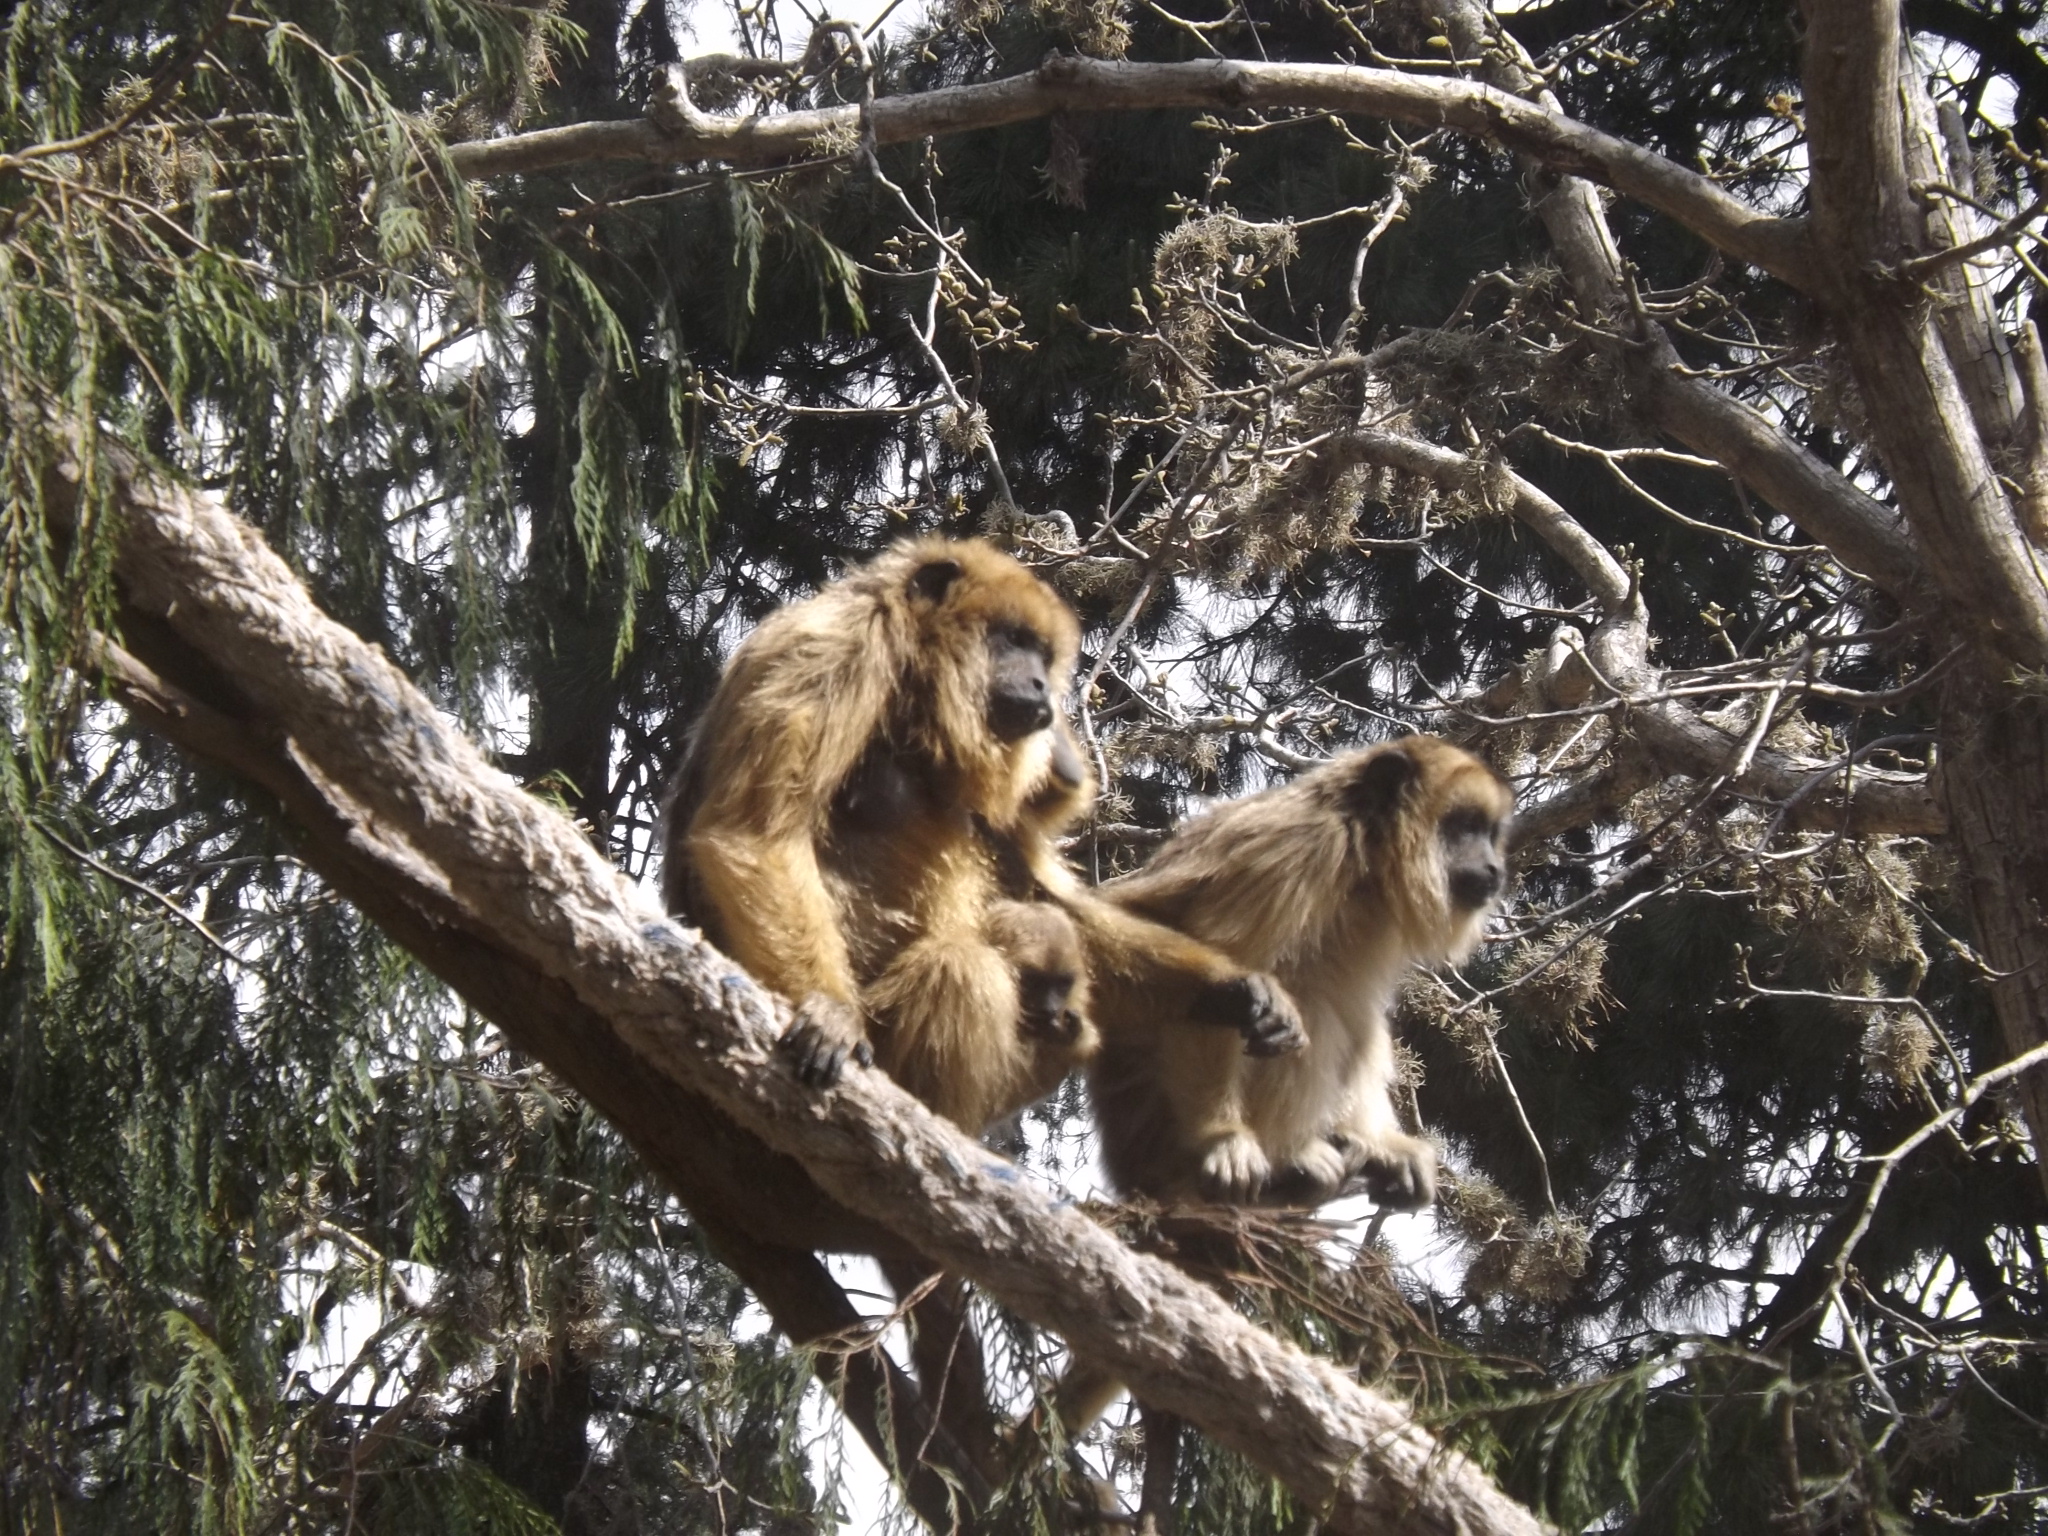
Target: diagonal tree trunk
[[376, 772], [760, 1211]]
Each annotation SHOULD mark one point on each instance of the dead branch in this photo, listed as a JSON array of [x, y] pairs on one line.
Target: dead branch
[[1064, 83]]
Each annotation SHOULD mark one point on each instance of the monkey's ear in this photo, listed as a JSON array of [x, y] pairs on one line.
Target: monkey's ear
[[932, 580], [1374, 793]]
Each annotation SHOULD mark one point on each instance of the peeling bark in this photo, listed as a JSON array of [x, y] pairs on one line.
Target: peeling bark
[[1920, 418], [1939, 409]]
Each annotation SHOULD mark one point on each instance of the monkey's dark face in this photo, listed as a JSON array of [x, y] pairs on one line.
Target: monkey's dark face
[[1473, 840], [1020, 698], [1043, 1004], [1424, 788]]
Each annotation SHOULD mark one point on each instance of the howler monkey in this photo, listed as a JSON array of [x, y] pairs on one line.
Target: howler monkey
[[1337, 882], [864, 820]]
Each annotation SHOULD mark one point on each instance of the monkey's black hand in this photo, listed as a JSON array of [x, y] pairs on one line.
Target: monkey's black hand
[[1060, 1026], [823, 1034], [1257, 1007], [1399, 1175], [1042, 1012]]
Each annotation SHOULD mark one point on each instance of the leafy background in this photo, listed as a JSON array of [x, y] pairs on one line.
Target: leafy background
[[556, 441]]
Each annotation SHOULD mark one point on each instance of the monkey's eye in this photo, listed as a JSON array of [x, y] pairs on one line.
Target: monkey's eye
[[1024, 638], [1466, 821]]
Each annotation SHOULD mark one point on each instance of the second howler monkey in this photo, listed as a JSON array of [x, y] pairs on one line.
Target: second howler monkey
[[1337, 883]]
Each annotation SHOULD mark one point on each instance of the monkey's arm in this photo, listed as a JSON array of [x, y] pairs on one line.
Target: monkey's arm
[[776, 756], [776, 915], [1145, 965], [788, 938]]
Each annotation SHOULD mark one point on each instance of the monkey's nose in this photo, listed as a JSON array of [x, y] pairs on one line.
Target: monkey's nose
[[1476, 885], [1013, 716]]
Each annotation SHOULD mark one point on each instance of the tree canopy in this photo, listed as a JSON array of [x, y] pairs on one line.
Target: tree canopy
[[1646, 396]]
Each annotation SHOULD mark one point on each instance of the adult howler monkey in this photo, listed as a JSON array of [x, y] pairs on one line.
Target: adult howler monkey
[[864, 820]]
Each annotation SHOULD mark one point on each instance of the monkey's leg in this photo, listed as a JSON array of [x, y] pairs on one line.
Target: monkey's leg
[[1201, 1074], [1162, 1471], [946, 1011], [1399, 1170], [1295, 1106], [946, 1351]]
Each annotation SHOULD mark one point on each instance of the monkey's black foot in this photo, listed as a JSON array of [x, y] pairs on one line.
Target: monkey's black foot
[[824, 1033], [1257, 1007], [1314, 1176], [1399, 1175], [1059, 1026]]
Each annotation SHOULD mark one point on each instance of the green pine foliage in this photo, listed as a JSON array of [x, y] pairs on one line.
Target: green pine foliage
[[291, 1241]]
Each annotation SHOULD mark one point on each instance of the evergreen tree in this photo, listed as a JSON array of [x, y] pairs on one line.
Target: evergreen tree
[[1284, 401]]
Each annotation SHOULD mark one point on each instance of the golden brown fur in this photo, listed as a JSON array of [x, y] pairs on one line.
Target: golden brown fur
[[850, 828], [1337, 883], [838, 822]]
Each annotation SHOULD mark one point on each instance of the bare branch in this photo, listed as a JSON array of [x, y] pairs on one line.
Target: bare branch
[[1067, 84], [1863, 534], [1679, 740]]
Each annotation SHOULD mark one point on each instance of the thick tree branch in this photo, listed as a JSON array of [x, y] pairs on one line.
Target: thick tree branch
[[697, 1025], [1862, 533], [1920, 417], [721, 1172], [1067, 84], [1994, 596]]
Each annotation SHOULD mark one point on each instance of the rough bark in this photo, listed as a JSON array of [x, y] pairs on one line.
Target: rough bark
[[724, 1175], [1994, 780], [398, 786], [1921, 424], [1939, 407]]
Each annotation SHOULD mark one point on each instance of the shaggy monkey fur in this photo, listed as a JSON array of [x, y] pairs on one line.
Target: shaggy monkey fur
[[864, 820], [1337, 882]]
